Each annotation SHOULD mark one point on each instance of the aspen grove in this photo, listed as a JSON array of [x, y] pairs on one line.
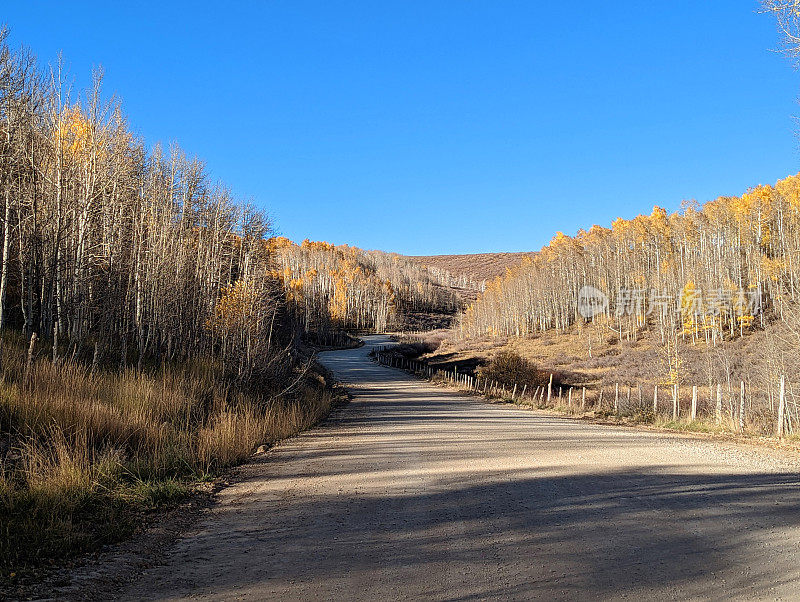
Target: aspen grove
[[153, 330], [343, 287], [733, 247], [138, 254]]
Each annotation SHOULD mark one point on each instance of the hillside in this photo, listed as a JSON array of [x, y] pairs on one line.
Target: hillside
[[478, 266], [466, 275], [703, 302]]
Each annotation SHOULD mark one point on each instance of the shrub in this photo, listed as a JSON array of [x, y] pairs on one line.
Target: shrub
[[508, 367]]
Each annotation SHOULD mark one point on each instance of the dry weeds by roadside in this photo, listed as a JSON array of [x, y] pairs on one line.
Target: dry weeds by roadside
[[726, 431], [90, 457], [101, 575]]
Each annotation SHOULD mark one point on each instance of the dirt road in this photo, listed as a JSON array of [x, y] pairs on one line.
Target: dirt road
[[412, 492]]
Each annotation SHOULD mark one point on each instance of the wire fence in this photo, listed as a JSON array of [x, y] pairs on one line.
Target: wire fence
[[710, 404]]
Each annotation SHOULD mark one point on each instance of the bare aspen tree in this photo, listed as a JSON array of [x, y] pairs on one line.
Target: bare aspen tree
[[782, 407], [787, 15], [741, 407]]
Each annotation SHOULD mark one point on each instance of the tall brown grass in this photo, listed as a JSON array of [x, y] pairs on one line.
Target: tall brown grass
[[82, 454]]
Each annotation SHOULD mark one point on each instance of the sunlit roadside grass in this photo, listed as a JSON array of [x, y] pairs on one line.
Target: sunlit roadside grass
[[83, 456]]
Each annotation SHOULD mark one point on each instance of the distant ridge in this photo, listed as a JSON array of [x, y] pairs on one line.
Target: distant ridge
[[478, 266]]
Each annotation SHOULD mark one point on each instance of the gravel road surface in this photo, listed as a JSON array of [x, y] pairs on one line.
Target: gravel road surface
[[411, 491]]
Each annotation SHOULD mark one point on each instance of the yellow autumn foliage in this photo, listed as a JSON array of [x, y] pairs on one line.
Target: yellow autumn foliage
[[234, 310]]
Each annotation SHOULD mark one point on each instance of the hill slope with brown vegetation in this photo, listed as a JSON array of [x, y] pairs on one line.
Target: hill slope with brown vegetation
[[477, 266], [466, 275]]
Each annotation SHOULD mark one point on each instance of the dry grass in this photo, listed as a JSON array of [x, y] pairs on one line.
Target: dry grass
[[81, 455], [628, 413], [595, 358], [479, 266]]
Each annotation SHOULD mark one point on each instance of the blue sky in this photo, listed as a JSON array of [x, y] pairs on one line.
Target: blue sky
[[444, 127]]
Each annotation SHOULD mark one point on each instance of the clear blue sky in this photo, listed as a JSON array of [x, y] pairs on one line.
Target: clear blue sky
[[444, 127]]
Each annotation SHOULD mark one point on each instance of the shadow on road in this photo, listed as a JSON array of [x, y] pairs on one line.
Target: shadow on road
[[593, 535], [413, 492]]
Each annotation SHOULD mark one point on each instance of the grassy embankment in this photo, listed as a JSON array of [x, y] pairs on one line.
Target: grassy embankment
[[83, 456]]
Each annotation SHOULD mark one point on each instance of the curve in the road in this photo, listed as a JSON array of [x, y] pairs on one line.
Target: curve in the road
[[412, 491]]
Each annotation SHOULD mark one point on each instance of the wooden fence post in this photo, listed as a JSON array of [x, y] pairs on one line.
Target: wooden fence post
[[616, 398], [569, 397], [655, 400], [694, 403], [675, 401], [549, 388], [718, 409], [583, 399], [782, 407], [514, 392]]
